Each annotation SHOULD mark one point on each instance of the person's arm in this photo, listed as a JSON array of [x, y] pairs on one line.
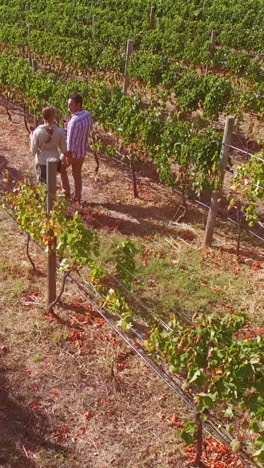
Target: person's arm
[[34, 143], [72, 131], [62, 143]]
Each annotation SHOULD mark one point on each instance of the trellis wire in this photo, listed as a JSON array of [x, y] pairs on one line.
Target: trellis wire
[[162, 374], [251, 155]]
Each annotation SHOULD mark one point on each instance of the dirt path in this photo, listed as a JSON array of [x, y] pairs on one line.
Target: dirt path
[[111, 188], [111, 205], [73, 395]]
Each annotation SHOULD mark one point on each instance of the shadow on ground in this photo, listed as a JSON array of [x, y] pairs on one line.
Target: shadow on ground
[[8, 172], [23, 429]]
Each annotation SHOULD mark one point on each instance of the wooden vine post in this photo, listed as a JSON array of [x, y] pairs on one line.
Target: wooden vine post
[[34, 69], [128, 54], [152, 17], [51, 168], [34, 65], [29, 54], [94, 19], [133, 173], [216, 196], [213, 40]]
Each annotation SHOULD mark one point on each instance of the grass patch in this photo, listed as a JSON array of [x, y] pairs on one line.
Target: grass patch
[[38, 357], [18, 288], [174, 278], [178, 279]]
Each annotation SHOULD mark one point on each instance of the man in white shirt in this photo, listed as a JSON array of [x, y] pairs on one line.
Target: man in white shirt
[[78, 129]]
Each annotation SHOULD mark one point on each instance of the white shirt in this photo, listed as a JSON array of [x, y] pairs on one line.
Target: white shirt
[[78, 129], [44, 146]]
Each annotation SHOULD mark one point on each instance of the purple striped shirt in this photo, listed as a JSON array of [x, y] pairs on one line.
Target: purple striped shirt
[[78, 130]]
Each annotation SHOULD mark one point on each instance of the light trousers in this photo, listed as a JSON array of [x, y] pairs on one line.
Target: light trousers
[[76, 165]]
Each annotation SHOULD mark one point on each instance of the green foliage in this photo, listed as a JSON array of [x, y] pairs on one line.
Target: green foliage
[[220, 369], [72, 43], [189, 433], [123, 252], [76, 246], [166, 140], [248, 186], [117, 304]]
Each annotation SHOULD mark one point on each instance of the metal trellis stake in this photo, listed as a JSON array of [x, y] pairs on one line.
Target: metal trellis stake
[[51, 168], [216, 196], [128, 54]]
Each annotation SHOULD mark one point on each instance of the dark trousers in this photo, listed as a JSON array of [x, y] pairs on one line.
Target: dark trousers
[[41, 172]]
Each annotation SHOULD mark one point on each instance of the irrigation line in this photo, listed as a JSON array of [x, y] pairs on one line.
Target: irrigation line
[[136, 325], [157, 369], [138, 300], [209, 426]]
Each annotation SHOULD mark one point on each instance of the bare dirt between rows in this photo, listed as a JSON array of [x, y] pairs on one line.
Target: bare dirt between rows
[[73, 395], [111, 205], [96, 417]]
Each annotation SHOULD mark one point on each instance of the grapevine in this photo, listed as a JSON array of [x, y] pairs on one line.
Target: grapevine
[[223, 373], [75, 245], [248, 186]]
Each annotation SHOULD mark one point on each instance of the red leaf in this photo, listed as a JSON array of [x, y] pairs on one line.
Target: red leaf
[[62, 432], [151, 283], [257, 266], [88, 415], [175, 421], [99, 322], [49, 318], [122, 366], [33, 388], [35, 406], [163, 398]]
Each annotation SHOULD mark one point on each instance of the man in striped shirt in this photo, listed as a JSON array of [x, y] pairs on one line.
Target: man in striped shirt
[[78, 129]]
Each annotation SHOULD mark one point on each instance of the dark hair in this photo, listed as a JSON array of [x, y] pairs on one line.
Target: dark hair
[[77, 98], [48, 112]]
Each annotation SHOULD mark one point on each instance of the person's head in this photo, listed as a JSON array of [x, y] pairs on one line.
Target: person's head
[[49, 114], [75, 103]]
